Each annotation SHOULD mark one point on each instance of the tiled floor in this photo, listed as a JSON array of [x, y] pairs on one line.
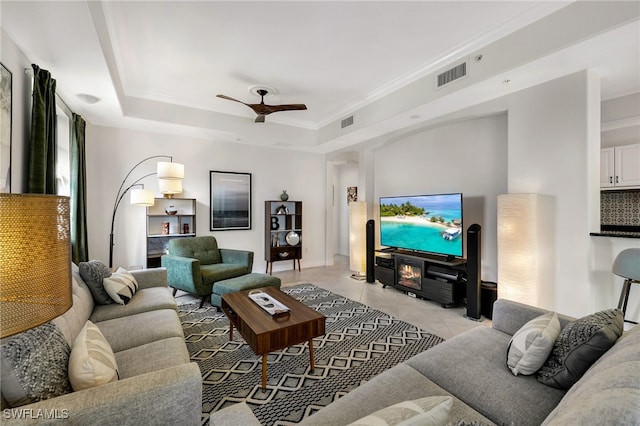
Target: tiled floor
[[429, 316]]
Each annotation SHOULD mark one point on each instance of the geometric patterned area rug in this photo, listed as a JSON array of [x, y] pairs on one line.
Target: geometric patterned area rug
[[359, 343]]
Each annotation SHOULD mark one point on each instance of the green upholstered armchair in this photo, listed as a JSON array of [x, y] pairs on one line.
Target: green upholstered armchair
[[194, 264]]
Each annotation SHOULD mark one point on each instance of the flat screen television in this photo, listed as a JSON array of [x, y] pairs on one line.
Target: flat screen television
[[423, 223]]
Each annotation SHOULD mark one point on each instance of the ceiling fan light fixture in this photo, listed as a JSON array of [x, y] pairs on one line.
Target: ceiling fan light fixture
[[255, 90]]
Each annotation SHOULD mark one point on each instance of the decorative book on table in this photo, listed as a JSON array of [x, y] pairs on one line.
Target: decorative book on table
[[270, 305]]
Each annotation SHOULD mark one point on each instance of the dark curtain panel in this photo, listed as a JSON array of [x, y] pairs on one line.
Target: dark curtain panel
[[42, 147], [80, 251]]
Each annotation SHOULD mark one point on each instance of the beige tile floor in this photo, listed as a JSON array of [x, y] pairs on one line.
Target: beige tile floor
[[427, 315]]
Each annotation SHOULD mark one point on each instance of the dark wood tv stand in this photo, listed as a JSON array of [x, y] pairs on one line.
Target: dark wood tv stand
[[423, 275]]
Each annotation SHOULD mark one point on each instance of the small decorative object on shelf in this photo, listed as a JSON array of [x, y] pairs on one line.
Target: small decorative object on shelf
[[165, 228], [292, 238], [284, 196], [185, 228], [171, 210], [282, 210]]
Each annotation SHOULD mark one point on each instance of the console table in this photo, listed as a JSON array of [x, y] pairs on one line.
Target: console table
[[429, 277]]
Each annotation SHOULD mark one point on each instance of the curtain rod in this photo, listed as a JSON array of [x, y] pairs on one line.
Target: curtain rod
[[64, 106]]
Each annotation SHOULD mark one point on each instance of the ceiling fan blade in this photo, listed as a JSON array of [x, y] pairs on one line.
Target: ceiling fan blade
[[265, 109], [231, 99], [288, 107]]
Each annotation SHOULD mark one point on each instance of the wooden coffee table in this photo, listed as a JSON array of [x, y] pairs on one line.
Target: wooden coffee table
[[265, 333]]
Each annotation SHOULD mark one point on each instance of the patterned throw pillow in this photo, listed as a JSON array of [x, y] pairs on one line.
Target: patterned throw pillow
[[93, 272], [429, 411], [530, 346], [579, 345], [121, 286], [35, 365], [92, 362]]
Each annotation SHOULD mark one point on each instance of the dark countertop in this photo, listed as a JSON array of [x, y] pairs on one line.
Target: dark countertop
[[624, 231]]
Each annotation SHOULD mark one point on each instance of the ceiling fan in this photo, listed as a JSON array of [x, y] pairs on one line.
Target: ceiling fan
[[263, 109]]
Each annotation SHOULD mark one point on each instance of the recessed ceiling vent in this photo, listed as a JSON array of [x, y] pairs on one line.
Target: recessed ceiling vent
[[451, 75], [346, 122]]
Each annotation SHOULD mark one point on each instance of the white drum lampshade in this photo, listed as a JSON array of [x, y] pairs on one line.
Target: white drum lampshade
[[170, 170], [169, 187], [141, 197]]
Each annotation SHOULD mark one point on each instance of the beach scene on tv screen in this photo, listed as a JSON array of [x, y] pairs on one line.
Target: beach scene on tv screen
[[430, 223]]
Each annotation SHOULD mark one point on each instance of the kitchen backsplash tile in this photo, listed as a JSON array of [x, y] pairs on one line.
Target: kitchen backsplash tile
[[620, 208]]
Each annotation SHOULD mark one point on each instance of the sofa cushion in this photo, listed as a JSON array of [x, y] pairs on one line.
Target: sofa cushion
[[72, 321], [579, 345], [530, 347], [152, 357], [471, 367], [92, 362], [140, 329], [609, 392], [120, 286], [236, 414], [428, 411], [145, 300], [221, 271], [35, 365], [205, 249], [387, 388], [93, 272]]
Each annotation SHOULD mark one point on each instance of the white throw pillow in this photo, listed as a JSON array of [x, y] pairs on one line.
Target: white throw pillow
[[429, 411], [530, 346], [120, 286], [92, 362]]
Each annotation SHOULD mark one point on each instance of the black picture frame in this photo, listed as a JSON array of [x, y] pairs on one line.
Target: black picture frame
[[6, 119], [230, 200]]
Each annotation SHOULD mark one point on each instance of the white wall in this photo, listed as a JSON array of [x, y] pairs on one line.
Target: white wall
[[347, 175], [621, 121], [554, 147], [468, 157], [112, 152]]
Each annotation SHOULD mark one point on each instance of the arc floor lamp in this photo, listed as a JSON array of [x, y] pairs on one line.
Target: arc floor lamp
[[170, 177]]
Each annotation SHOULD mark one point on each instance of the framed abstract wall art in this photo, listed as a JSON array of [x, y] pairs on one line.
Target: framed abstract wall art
[[230, 201], [5, 129]]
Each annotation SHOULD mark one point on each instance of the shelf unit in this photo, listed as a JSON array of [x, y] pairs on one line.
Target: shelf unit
[[282, 218], [157, 219]]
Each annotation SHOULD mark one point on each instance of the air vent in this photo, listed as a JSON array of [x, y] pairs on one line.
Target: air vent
[[451, 75], [346, 122]]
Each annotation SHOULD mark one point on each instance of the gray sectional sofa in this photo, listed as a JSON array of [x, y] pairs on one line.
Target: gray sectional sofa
[[157, 383], [471, 367]]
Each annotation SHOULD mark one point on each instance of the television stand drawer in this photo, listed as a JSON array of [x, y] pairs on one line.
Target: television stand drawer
[[444, 292]]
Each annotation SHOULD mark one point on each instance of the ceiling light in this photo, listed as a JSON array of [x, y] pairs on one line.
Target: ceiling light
[[88, 99]]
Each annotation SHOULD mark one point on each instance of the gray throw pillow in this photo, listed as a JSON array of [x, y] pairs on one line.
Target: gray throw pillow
[[579, 345], [35, 365], [93, 272]]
